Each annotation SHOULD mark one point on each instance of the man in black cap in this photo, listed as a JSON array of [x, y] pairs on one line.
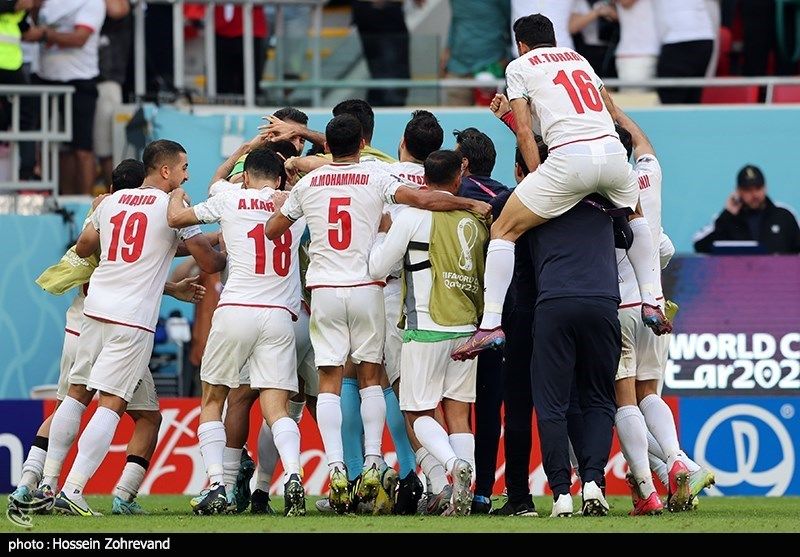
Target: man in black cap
[[750, 215]]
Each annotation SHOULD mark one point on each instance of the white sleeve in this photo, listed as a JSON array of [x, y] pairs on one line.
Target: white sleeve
[[189, 232], [515, 83], [292, 209], [389, 185], [91, 15], [665, 250], [221, 186], [389, 248], [211, 209], [648, 164]]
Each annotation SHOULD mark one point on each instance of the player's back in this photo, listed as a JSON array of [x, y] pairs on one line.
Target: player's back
[[261, 272], [136, 249], [564, 95], [342, 204]]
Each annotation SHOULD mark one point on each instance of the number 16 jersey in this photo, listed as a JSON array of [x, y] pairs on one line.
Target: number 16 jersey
[[136, 249], [563, 92], [342, 204]]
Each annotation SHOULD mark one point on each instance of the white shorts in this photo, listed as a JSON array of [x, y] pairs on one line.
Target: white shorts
[[393, 302], [109, 98], [305, 353], [643, 353], [262, 337], [113, 359], [428, 375], [347, 321], [573, 171]]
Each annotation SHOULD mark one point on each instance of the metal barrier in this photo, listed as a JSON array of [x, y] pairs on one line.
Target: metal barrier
[[51, 132], [500, 84], [209, 47]]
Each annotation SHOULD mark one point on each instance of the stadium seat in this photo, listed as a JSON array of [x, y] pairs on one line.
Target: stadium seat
[[786, 94], [745, 94]]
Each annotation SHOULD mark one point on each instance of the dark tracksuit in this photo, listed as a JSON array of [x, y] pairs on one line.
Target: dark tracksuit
[[577, 340]]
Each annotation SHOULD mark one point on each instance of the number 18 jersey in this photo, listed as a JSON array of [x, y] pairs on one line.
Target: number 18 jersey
[[136, 249], [563, 92], [342, 204], [261, 272]]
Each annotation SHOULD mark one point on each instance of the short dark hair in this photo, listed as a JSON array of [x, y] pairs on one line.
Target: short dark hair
[[283, 147], [315, 150], [291, 113], [543, 152], [362, 112], [161, 152], [478, 149], [263, 162], [127, 175], [343, 135], [625, 138], [423, 134], [442, 167], [534, 30]]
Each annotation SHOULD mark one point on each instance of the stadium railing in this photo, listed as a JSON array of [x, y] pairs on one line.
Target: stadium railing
[[54, 127], [178, 43]]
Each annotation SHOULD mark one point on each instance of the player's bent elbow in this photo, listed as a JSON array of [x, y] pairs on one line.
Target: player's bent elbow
[[213, 264], [84, 248]]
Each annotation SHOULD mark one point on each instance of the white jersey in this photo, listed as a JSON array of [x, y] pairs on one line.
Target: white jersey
[[648, 172], [261, 272], [411, 174], [136, 249], [342, 203], [563, 92]]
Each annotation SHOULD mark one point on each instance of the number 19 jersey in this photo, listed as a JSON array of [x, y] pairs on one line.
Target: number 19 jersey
[[563, 92], [136, 249], [342, 204], [261, 272]]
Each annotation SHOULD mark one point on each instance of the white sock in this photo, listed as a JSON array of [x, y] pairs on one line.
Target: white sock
[[231, 458], [659, 468], [661, 424], [32, 468], [93, 447], [329, 420], [496, 280], [632, 434], [63, 430], [212, 447], [287, 440], [373, 414], [132, 477], [690, 464], [464, 446], [640, 255], [435, 474], [267, 458], [433, 437]]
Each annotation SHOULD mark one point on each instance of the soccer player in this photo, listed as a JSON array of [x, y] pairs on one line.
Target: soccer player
[[641, 411], [443, 257], [73, 271], [343, 203], [130, 229], [252, 323], [559, 89]]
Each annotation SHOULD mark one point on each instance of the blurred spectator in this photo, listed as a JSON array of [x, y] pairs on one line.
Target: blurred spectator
[[687, 41], [760, 38], [296, 23], [593, 24], [70, 33], [115, 45], [229, 28], [557, 11], [384, 39], [638, 47], [714, 9], [477, 42], [750, 215]]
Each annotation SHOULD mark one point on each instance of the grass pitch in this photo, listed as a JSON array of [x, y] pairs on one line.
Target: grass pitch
[[172, 514]]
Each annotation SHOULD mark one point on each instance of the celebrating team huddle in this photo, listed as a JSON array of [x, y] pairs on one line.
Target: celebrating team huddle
[[406, 284]]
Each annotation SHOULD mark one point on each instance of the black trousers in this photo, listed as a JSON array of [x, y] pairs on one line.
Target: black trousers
[[488, 400], [230, 67], [760, 38], [385, 41], [576, 350], [689, 59], [518, 404]]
